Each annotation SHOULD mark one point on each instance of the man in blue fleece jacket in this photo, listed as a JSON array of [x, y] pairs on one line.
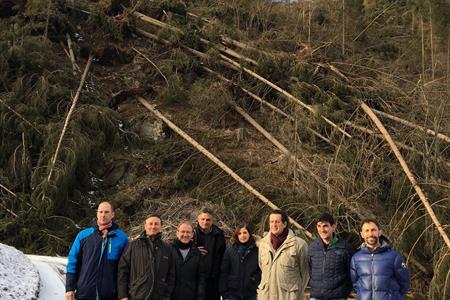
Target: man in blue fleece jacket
[[93, 258]]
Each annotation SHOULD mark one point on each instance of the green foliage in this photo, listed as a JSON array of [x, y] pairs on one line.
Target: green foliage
[[35, 93], [106, 25], [276, 70], [174, 92], [210, 101], [440, 286]]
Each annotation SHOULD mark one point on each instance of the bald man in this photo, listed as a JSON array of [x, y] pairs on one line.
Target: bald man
[[93, 258]]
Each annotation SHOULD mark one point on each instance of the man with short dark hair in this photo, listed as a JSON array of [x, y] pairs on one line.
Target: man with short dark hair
[[146, 268], [377, 271], [210, 240], [329, 262], [93, 258], [283, 260]]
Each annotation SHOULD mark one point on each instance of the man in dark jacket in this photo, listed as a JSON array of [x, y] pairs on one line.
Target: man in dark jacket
[[93, 258], [189, 270], [146, 268], [377, 271], [210, 240], [329, 262]]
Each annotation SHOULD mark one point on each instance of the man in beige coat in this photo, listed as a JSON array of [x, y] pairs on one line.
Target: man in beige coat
[[283, 260]]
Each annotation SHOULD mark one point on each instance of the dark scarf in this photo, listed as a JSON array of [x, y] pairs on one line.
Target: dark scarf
[[277, 241], [243, 247], [180, 245]]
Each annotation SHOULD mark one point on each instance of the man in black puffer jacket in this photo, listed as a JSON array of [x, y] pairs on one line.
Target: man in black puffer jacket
[[329, 262], [146, 268], [189, 268]]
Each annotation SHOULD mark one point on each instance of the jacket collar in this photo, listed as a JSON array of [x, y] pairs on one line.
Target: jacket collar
[[336, 242], [385, 245], [215, 230], [192, 250], [111, 231], [144, 236]]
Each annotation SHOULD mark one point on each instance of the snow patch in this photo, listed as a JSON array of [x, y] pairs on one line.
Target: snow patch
[[19, 278], [52, 271]]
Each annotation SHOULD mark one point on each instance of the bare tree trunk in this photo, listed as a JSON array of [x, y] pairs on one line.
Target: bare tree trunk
[[309, 23], [20, 116], [287, 95], [439, 135], [431, 45], [72, 55], [423, 49], [448, 63], [69, 114], [303, 166], [407, 171], [218, 162], [8, 190], [47, 18], [343, 27]]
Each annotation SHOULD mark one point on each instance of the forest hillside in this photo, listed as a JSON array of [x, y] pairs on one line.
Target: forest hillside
[[242, 106]]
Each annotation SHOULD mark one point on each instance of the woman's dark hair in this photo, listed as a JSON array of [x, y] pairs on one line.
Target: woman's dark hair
[[235, 238]]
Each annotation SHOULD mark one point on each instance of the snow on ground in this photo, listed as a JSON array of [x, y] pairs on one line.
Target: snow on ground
[[19, 278], [52, 271]]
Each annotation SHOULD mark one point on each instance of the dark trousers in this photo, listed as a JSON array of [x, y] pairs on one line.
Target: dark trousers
[[243, 298], [212, 289]]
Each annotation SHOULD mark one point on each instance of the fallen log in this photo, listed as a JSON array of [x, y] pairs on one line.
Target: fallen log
[[8, 190], [229, 61], [407, 171], [291, 156], [69, 114], [287, 95], [399, 144], [269, 105], [412, 125], [218, 162], [220, 48], [20, 116]]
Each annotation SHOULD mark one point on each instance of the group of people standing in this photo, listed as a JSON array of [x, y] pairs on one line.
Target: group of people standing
[[103, 265]]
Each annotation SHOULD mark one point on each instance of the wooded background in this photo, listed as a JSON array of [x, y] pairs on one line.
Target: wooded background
[[281, 94]]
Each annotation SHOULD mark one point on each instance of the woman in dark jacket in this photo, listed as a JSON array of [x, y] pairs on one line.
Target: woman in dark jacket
[[240, 273]]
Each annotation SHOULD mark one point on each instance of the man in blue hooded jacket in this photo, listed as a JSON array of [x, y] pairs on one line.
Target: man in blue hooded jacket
[[377, 271], [93, 258]]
